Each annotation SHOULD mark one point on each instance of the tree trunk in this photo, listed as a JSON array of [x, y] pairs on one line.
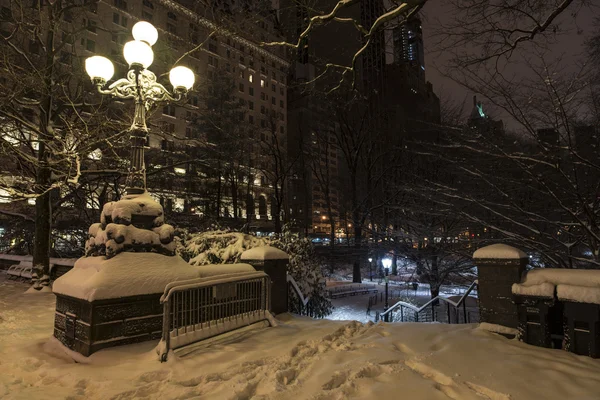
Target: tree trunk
[[434, 277], [249, 207], [395, 264], [234, 199], [277, 220], [356, 214], [332, 248], [218, 205], [40, 276], [356, 273], [357, 234]]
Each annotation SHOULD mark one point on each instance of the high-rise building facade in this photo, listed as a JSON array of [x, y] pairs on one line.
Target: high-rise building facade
[[408, 45], [217, 40]]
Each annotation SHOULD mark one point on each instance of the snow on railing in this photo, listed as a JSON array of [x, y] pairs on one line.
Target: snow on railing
[[196, 309], [426, 312], [297, 302], [301, 298]]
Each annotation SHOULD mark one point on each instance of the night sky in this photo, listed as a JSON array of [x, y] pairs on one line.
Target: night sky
[[571, 43]]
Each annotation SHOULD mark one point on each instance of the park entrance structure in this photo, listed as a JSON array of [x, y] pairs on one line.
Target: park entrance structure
[[112, 295]]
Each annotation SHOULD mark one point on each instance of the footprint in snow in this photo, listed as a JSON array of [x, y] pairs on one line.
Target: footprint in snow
[[286, 376], [154, 376], [337, 380]]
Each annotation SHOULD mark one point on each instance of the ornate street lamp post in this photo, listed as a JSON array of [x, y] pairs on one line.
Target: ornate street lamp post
[[141, 86], [130, 254], [387, 263], [370, 268]]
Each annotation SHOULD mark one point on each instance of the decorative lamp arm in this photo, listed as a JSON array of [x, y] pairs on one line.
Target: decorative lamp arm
[[157, 93], [122, 89]]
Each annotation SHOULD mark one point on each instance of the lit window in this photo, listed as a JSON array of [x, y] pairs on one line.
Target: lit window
[[95, 155]]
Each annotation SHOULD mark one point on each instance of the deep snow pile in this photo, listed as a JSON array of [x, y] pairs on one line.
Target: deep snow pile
[[300, 359]]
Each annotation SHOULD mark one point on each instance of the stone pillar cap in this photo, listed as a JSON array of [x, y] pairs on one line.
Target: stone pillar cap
[[500, 251], [263, 253]]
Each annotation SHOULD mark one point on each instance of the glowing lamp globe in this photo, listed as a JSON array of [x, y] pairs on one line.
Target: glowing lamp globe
[[99, 68], [137, 52], [145, 32], [387, 262], [182, 78]]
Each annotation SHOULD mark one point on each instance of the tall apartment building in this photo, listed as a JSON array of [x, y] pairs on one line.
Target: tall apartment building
[[408, 46], [409, 92], [222, 39], [315, 193]]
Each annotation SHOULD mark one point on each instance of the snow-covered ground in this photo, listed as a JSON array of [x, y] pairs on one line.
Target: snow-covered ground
[[352, 308], [300, 359]]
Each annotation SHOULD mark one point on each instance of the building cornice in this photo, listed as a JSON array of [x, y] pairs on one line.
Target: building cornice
[[206, 23]]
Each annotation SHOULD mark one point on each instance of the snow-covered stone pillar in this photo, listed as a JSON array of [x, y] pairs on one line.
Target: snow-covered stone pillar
[[498, 266], [274, 262]]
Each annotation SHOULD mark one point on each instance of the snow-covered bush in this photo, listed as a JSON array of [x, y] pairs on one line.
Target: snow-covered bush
[[117, 230], [305, 268], [225, 247]]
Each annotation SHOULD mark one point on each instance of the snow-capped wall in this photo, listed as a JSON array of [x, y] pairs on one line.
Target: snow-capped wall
[[262, 253], [571, 284], [128, 274], [223, 269], [499, 251]]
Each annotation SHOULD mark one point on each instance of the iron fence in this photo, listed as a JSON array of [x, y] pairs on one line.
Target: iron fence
[[197, 309]]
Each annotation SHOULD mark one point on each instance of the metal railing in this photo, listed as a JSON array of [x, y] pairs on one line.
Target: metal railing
[[196, 309], [406, 312], [297, 303]]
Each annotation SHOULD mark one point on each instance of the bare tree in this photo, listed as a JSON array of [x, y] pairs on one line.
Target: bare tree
[[321, 147], [276, 166], [49, 125], [537, 187]]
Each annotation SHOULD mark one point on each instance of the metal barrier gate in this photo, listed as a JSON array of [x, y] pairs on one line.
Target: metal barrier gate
[[194, 310]]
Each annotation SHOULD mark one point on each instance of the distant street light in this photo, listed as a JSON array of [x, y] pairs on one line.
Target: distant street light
[[370, 269], [387, 263], [141, 86]]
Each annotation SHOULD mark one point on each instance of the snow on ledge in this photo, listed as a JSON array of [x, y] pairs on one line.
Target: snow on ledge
[[579, 294], [262, 253], [126, 274], [558, 276], [578, 285], [540, 290], [500, 251], [223, 269]]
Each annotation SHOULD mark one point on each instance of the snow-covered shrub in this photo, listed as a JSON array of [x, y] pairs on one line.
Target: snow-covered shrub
[[117, 230], [218, 247], [305, 268], [225, 247]]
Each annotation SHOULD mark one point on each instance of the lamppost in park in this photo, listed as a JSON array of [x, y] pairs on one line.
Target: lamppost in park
[[141, 86], [370, 269], [387, 263], [132, 231]]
